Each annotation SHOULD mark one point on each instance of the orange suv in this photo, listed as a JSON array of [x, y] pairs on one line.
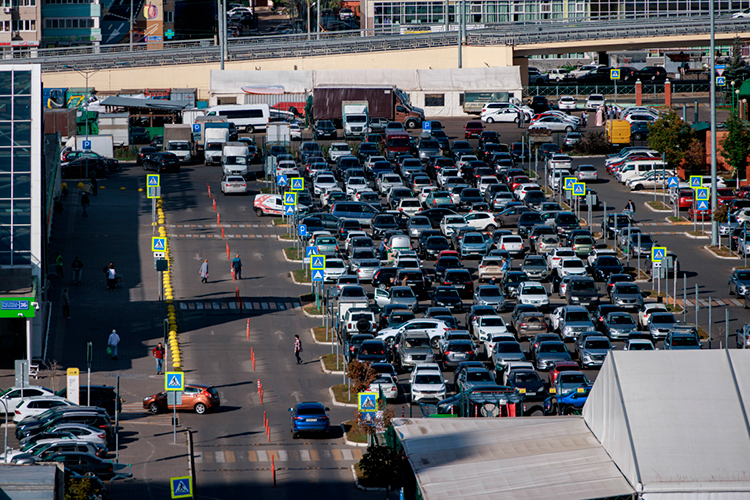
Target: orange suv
[[197, 397]]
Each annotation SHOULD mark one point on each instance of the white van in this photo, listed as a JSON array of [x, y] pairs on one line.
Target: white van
[[248, 117], [638, 168]]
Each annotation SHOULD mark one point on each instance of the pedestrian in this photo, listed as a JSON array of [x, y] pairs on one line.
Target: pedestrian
[[111, 276], [297, 348], [158, 353], [204, 271], [630, 207], [112, 342], [94, 184], [518, 118], [85, 203], [237, 266], [77, 266], [505, 267], [59, 264], [65, 303], [584, 117]]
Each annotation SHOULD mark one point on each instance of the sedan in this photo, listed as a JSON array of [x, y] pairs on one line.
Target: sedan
[[309, 417], [627, 295], [587, 173], [619, 325], [79, 432], [739, 282], [490, 295], [447, 296], [550, 352], [566, 102], [553, 123], [473, 129], [233, 184], [162, 162], [84, 463], [660, 324]]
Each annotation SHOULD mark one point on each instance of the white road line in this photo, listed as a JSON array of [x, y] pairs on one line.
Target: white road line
[[219, 457], [304, 455], [282, 455], [347, 454], [262, 456], [198, 457]]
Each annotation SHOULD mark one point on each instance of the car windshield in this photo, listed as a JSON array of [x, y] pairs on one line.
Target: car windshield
[[535, 260], [525, 377], [686, 340], [621, 319], [428, 379], [403, 293], [577, 316], [447, 293], [583, 286], [371, 348], [473, 239], [492, 322], [417, 343], [508, 347], [534, 290], [310, 410], [597, 344], [628, 289], [662, 318], [743, 275], [490, 292], [459, 346], [479, 376], [608, 260], [573, 378], [352, 292], [552, 347], [573, 263]]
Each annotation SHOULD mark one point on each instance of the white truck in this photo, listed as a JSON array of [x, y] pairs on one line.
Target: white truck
[[355, 117], [214, 140], [234, 158], [101, 144], [178, 140], [116, 125]]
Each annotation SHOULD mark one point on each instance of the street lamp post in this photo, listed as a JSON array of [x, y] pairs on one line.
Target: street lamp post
[[732, 95], [714, 223]]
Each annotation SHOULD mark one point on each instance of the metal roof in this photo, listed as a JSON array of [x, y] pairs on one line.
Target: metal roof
[[131, 102], [508, 458]]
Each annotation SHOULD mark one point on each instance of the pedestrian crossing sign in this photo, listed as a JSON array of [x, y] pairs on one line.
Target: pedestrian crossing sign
[[318, 275], [367, 402], [673, 182], [281, 180], [701, 194], [158, 244], [696, 181], [298, 183], [569, 181], [152, 180], [174, 381], [702, 206], [318, 262], [579, 189], [310, 251], [182, 487], [288, 209], [614, 74], [721, 81], [290, 198], [658, 254]]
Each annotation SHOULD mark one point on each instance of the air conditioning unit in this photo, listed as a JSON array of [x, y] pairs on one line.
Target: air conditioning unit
[[7, 10]]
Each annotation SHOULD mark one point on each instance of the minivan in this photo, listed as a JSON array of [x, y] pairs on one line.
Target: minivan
[[248, 117], [361, 212], [638, 168]]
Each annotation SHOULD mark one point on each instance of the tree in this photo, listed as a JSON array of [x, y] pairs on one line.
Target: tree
[[736, 145], [670, 136], [383, 465], [81, 489], [361, 375], [722, 213], [592, 143], [695, 158], [735, 72]]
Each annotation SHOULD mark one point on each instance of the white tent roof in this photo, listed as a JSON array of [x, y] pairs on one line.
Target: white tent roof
[[508, 458], [676, 422]]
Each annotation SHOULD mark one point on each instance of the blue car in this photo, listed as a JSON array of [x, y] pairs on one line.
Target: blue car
[[569, 403], [309, 417]]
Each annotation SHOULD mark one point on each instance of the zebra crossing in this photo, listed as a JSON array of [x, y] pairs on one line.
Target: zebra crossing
[[226, 236], [278, 455], [714, 303], [248, 305], [217, 226]]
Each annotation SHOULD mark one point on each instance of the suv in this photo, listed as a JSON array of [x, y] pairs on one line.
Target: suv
[[86, 415], [40, 452], [582, 292], [103, 396], [197, 397], [414, 348]]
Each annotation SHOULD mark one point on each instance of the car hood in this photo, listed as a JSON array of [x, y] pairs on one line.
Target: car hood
[[594, 352], [554, 356], [627, 296], [491, 330], [428, 387], [502, 357], [579, 324]]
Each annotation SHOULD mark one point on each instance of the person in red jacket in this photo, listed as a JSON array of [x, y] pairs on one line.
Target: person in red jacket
[[158, 353]]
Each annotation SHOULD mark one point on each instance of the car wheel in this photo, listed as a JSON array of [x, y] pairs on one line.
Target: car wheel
[[153, 408], [434, 343], [249, 129], [491, 228], [200, 408], [411, 123], [259, 212], [568, 128], [490, 120]]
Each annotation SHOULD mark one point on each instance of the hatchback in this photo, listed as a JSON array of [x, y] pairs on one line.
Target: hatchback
[[197, 397], [162, 162]]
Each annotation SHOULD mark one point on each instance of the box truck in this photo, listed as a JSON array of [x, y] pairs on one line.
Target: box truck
[[199, 126], [234, 158], [214, 137], [386, 102], [116, 125], [178, 139], [100, 144], [61, 120], [355, 117]]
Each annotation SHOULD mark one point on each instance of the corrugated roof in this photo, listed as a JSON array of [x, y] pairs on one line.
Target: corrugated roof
[[676, 422], [132, 102], [509, 458]]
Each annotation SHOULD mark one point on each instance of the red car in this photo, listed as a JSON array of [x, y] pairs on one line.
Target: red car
[[700, 215], [685, 199], [517, 181], [473, 129], [451, 253], [562, 366], [725, 195]]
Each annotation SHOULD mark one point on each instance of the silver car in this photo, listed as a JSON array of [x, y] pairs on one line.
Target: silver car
[[619, 325], [550, 352], [660, 324], [490, 295], [367, 269], [417, 224], [594, 350], [505, 352], [627, 295]]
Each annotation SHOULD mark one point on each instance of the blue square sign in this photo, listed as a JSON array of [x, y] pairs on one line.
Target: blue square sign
[[310, 251], [673, 182], [318, 262], [427, 126], [181, 487], [318, 275], [174, 381], [702, 205], [302, 228], [196, 127], [290, 198], [701, 194], [298, 184], [86, 145], [288, 209], [579, 189], [281, 180]]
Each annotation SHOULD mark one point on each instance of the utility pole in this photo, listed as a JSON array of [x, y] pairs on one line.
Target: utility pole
[[714, 223], [131, 25]]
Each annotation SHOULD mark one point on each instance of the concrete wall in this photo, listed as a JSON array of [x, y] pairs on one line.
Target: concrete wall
[[197, 75]]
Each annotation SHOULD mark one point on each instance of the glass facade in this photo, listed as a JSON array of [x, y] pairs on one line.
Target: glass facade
[[15, 167]]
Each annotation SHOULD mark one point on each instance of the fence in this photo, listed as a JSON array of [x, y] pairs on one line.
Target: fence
[[623, 89]]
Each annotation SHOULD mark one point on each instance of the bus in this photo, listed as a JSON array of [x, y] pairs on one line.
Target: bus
[[248, 117]]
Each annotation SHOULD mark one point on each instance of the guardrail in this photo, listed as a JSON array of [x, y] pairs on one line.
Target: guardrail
[[304, 45]]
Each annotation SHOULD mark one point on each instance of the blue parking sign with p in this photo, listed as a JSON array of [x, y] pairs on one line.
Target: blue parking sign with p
[[196, 127], [427, 125], [290, 198], [302, 228], [86, 145]]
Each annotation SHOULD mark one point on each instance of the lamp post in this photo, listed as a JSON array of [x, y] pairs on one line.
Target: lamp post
[[737, 100], [732, 95], [714, 223]]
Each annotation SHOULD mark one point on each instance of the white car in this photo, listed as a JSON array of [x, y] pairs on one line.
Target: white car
[[38, 404], [567, 102], [427, 385], [338, 150], [452, 223], [435, 328], [557, 255], [533, 293], [584, 69], [553, 123], [464, 160], [522, 189], [556, 177], [481, 221], [511, 243], [424, 192], [485, 182], [558, 161], [640, 117], [653, 179], [388, 181], [11, 397], [741, 14], [356, 185], [325, 183], [76, 432], [594, 101], [503, 115], [446, 173], [558, 74], [387, 383], [648, 309], [295, 131], [409, 206], [373, 160], [571, 266], [587, 173], [351, 235], [233, 184]]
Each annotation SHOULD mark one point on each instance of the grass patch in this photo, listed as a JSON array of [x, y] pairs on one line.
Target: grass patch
[[341, 394], [266, 190], [279, 221], [299, 276], [329, 361], [319, 332], [294, 253], [672, 218], [723, 251], [314, 310], [356, 433], [657, 205]]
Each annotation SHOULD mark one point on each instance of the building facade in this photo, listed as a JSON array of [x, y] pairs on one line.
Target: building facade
[[71, 22], [20, 25]]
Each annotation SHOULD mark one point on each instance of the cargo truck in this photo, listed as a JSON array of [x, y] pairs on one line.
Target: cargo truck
[[199, 126], [215, 135], [234, 158], [61, 120], [617, 133], [100, 144], [355, 117], [387, 102], [178, 139]]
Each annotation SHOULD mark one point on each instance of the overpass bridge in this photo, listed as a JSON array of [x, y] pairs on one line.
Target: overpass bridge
[[187, 64]]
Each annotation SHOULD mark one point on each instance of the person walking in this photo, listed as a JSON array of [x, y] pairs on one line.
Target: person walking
[[630, 207], [297, 348], [59, 264], [77, 266], [112, 343], [111, 276], [584, 117], [237, 266], [158, 353], [65, 303], [94, 184], [204, 271], [519, 118], [85, 203]]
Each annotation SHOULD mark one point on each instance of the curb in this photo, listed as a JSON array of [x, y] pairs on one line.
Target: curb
[[291, 275], [336, 403], [190, 455], [687, 222], [316, 341], [719, 256], [326, 370], [295, 261], [310, 315], [363, 488], [351, 443], [285, 240], [656, 210], [696, 237]]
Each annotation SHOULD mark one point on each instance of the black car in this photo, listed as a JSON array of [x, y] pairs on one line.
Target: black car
[[392, 312], [103, 396], [384, 277], [461, 148], [527, 221], [425, 235], [447, 296], [143, 153], [639, 131], [598, 75], [433, 246], [461, 280], [352, 344], [324, 129], [529, 383], [488, 137], [604, 266], [548, 149], [469, 196], [511, 281], [414, 279], [436, 215], [654, 74], [139, 135], [157, 142], [366, 150], [540, 104], [84, 168], [445, 263], [382, 223], [162, 162], [372, 351], [84, 463]]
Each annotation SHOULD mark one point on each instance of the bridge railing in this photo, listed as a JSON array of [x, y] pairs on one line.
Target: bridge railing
[[623, 89]]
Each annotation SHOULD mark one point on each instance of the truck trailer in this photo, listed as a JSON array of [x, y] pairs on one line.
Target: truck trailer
[[386, 102]]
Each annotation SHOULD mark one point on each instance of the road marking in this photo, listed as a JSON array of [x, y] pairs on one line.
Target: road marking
[[283, 455], [347, 454], [219, 457], [262, 456], [198, 457], [208, 458], [314, 455], [232, 305], [264, 305], [337, 455], [736, 302], [183, 305], [215, 305], [304, 455], [326, 454], [247, 305], [229, 456], [252, 456], [199, 305], [280, 306], [702, 302], [357, 452]]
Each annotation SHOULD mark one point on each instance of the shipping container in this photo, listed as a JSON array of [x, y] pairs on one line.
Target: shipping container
[[282, 102], [160, 94], [184, 95], [60, 120], [384, 102]]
